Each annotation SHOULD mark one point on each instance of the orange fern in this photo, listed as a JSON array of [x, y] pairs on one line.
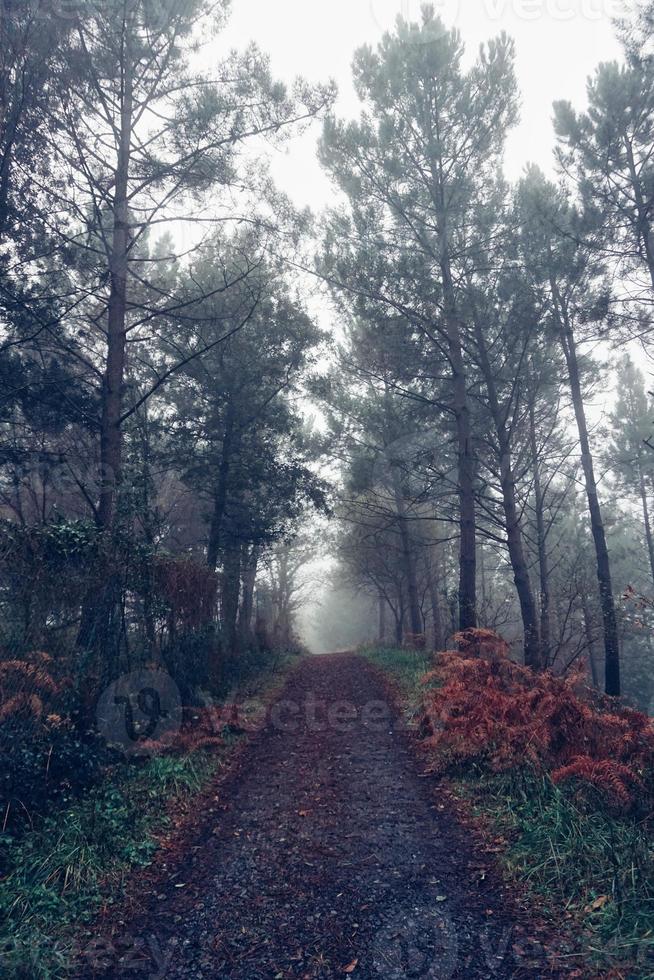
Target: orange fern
[[481, 708]]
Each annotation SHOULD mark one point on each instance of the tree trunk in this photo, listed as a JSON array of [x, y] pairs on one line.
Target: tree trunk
[[519, 566], [541, 544], [399, 627], [436, 617], [112, 386], [646, 518], [220, 494], [415, 616], [590, 640], [611, 642], [465, 455], [98, 605], [382, 618], [231, 589], [643, 211], [250, 561]]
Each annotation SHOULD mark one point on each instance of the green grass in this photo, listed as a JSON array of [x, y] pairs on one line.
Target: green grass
[[406, 667], [58, 875], [567, 851], [571, 852]]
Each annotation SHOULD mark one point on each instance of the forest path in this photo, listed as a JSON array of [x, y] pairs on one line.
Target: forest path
[[328, 856]]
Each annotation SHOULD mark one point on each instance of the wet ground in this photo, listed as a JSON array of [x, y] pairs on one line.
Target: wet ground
[[327, 853]]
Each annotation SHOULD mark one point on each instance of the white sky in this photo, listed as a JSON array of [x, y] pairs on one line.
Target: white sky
[[559, 43]]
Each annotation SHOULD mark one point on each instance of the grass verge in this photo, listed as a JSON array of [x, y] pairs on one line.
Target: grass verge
[[406, 668], [55, 878], [577, 860], [58, 876]]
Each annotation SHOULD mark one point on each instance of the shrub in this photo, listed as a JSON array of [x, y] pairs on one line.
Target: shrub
[[41, 752], [502, 717]]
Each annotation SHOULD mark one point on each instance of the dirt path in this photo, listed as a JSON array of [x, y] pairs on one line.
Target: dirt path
[[330, 857]]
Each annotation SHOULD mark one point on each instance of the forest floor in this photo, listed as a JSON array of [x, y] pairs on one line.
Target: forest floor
[[326, 852]]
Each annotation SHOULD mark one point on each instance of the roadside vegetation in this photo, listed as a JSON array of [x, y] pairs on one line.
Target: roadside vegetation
[[564, 776], [79, 834]]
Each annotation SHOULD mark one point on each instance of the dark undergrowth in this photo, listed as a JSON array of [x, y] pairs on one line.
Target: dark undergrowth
[[583, 859], [57, 877], [60, 868]]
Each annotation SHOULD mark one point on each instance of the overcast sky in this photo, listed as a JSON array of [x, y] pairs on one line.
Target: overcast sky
[[559, 43]]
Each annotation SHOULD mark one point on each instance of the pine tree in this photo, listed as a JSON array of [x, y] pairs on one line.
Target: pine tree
[[415, 168], [629, 455]]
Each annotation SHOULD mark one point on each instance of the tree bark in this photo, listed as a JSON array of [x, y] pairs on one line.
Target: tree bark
[[541, 545], [588, 629], [607, 604], [646, 517], [250, 562], [220, 494], [529, 613]]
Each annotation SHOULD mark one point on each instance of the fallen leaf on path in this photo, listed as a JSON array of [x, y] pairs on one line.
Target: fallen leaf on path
[[351, 967]]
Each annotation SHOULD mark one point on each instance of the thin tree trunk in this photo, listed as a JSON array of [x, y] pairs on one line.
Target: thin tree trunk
[[519, 566], [382, 618], [250, 562], [611, 642], [465, 481], [97, 608], [112, 386], [646, 517], [643, 210], [220, 494], [436, 617], [541, 544], [399, 627], [415, 615], [461, 409]]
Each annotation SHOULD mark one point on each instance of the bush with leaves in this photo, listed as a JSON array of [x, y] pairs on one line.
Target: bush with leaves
[[43, 757], [481, 709]]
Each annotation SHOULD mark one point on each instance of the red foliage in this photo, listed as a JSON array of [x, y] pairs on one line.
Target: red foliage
[[615, 780], [27, 688], [492, 712], [481, 643], [202, 728]]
